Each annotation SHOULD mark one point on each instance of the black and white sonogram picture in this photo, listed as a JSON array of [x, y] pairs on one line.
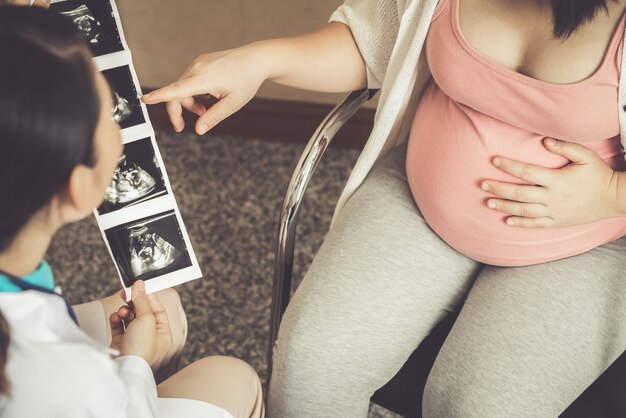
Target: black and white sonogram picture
[[148, 247], [96, 22], [138, 178], [126, 107]]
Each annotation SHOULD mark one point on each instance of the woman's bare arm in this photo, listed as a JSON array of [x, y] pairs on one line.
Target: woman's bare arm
[[325, 60]]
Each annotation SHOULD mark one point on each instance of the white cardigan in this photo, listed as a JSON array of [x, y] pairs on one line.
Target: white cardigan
[[390, 35], [57, 371]]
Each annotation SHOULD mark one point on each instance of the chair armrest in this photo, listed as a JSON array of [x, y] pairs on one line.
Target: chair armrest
[[309, 160]]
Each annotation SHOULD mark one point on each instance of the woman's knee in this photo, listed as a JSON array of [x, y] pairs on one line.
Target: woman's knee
[[468, 389], [227, 382], [319, 358], [242, 381], [316, 374], [447, 394], [305, 342], [307, 366], [177, 318], [178, 325]]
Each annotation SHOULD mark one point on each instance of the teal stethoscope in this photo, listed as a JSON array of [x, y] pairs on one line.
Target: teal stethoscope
[[29, 286]]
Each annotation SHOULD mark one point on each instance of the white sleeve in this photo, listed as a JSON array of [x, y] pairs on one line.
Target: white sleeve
[[139, 386], [374, 25]]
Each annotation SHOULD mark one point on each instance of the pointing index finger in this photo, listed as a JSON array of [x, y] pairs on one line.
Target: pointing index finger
[[175, 91]]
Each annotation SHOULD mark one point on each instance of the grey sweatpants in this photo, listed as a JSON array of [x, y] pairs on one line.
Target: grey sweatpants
[[527, 342]]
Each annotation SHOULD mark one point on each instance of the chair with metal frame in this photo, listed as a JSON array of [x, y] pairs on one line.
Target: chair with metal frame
[[403, 394]]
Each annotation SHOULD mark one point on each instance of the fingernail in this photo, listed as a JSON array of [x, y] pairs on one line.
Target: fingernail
[[485, 186], [497, 162], [551, 142], [491, 204], [141, 286], [203, 129], [510, 222]]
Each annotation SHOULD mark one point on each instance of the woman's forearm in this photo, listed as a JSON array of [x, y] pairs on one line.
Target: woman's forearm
[[325, 60]]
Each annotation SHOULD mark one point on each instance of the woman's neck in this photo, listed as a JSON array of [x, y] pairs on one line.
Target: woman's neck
[[27, 250]]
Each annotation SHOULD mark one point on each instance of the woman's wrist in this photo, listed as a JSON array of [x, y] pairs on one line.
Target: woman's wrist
[[264, 56], [279, 60]]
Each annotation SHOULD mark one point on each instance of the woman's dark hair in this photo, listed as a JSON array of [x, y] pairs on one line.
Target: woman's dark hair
[[49, 110], [569, 15]]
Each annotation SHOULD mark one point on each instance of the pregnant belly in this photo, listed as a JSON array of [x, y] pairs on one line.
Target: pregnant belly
[[449, 154]]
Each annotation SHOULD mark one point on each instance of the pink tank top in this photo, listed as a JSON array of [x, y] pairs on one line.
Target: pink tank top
[[475, 109]]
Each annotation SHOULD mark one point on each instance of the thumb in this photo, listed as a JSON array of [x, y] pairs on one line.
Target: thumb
[[574, 152], [140, 300], [215, 114]]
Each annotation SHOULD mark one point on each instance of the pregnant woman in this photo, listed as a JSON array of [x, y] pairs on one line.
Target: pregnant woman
[[508, 203]]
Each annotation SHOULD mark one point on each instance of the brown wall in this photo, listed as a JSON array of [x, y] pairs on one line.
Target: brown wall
[[166, 35]]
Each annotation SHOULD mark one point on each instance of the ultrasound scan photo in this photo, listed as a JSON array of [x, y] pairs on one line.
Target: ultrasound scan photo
[[96, 21], [149, 247], [137, 178], [127, 109]]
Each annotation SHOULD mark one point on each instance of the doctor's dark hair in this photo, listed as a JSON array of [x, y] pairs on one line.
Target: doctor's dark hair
[[569, 15], [49, 110]]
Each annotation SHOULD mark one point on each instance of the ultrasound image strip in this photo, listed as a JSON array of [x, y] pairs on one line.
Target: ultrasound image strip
[[139, 218]]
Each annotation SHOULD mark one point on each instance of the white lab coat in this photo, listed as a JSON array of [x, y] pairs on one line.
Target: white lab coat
[[56, 370]]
